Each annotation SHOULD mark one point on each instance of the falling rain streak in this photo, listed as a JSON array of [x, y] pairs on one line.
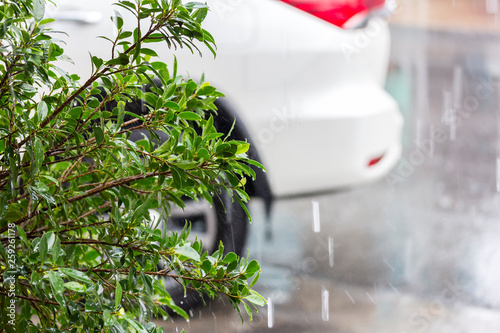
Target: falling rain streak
[[270, 313], [350, 297], [371, 298], [394, 288], [449, 114], [325, 305], [331, 249], [316, 217], [457, 86]]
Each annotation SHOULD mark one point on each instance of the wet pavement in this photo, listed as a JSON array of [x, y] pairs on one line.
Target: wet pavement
[[418, 251]]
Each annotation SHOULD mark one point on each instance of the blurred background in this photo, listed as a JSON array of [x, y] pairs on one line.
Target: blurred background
[[418, 251]]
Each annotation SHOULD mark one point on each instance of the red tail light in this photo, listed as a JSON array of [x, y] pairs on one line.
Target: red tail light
[[337, 12], [375, 161]]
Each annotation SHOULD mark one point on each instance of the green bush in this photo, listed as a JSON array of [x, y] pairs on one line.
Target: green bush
[[79, 249]]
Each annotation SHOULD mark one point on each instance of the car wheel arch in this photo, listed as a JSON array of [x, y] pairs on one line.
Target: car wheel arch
[[223, 122]]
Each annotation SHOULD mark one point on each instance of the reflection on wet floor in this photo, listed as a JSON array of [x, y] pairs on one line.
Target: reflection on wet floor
[[418, 251]]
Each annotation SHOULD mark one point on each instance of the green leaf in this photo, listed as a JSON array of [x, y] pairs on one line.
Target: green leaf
[[38, 9], [118, 295], [177, 178], [203, 153], [57, 285], [148, 285], [14, 212], [174, 74], [117, 328], [98, 134], [45, 244], [136, 325], [172, 105], [41, 111], [121, 114], [38, 156], [97, 62], [125, 34], [232, 265], [168, 302], [55, 250], [248, 310], [230, 257], [137, 37], [188, 252], [47, 21], [255, 298], [242, 148], [188, 115], [252, 268], [23, 237], [122, 59], [142, 209], [77, 275], [75, 286], [254, 281], [186, 165], [255, 163], [149, 52], [224, 147], [206, 266], [245, 208], [106, 316], [118, 20]]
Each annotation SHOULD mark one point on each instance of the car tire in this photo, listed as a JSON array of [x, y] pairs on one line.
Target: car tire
[[231, 223]]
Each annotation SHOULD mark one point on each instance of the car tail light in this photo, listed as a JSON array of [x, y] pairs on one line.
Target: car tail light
[[337, 12], [375, 161]]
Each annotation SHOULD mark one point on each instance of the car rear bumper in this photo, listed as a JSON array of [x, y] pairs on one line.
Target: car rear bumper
[[333, 145]]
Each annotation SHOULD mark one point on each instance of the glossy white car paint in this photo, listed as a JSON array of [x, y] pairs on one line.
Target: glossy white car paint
[[311, 94]]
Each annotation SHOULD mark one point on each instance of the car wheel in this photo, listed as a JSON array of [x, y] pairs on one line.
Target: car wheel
[[225, 221]]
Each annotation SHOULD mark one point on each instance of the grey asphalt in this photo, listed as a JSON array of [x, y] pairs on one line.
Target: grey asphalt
[[418, 251]]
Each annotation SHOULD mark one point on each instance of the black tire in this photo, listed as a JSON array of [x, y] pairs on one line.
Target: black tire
[[231, 223]]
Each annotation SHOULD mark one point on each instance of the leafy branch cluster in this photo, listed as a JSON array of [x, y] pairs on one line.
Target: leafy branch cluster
[[77, 194]]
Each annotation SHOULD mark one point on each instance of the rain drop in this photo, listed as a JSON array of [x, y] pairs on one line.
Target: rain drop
[[449, 114], [316, 217], [350, 297], [325, 305], [371, 298], [457, 86], [394, 288], [270, 313]]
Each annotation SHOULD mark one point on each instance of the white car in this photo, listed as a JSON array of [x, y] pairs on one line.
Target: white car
[[304, 78], [308, 87]]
